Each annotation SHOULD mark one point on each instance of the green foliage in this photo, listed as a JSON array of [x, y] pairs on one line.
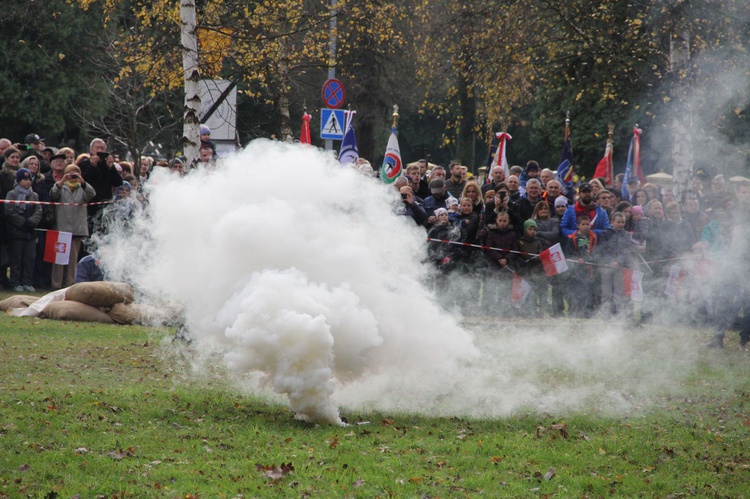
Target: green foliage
[[46, 73]]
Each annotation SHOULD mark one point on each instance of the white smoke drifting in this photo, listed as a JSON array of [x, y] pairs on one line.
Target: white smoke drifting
[[293, 267]]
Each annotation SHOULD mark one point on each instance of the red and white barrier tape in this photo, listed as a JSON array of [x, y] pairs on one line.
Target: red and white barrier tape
[[50, 203]]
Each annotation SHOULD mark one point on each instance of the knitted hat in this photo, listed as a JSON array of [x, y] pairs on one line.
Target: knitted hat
[[637, 210], [437, 186], [529, 223], [205, 130], [23, 173], [561, 201]]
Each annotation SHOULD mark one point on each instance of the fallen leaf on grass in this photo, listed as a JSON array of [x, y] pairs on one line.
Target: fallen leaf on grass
[[359, 483], [274, 472], [496, 459], [550, 474], [334, 443], [415, 479], [387, 422], [82, 450]]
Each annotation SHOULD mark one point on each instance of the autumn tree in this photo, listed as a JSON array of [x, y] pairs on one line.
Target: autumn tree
[[45, 71]]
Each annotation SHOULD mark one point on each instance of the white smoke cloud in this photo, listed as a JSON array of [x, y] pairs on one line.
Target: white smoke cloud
[[292, 266], [300, 276]]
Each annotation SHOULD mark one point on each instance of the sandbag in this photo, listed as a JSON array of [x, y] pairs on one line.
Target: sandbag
[[67, 310], [17, 301], [100, 293], [138, 313]]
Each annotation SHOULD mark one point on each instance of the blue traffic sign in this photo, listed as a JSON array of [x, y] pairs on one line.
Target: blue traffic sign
[[332, 123]]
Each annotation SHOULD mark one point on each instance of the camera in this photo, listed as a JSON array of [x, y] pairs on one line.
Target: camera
[[404, 196], [501, 194], [102, 155]]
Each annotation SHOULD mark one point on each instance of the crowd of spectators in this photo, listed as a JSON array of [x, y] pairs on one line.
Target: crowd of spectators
[[81, 194], [689, 251], [482, 234]]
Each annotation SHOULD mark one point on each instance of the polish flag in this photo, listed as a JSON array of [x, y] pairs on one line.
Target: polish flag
[[632, 280], [553, 260], [520, 291], [57, 247]]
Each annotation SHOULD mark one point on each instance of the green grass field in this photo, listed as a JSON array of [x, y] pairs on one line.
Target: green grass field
[[89, 410]]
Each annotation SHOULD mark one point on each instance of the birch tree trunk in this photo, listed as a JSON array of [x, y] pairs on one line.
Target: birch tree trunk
[[682, 124], [283, 67], [191, 117]]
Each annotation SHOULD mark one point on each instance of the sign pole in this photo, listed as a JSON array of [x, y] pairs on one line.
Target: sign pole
[[332, 59]]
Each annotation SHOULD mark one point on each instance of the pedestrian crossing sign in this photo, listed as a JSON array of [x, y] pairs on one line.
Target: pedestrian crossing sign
[[332, 122]]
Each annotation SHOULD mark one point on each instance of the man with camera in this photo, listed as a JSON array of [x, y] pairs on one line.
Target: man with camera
[[100, 174]]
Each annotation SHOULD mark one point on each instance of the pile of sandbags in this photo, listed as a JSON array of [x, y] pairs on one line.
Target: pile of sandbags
[[101, 301], [89, 301], [17, 301]]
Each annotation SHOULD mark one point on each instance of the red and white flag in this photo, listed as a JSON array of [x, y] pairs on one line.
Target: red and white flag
[[57, 247], [605, 168], [520, 291], [500, 158], [633, 280], [553, 260]]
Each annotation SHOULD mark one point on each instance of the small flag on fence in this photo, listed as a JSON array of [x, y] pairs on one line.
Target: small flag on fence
[[674, 281], [520, 291], [632, 280], [553, 260], [57, 247]]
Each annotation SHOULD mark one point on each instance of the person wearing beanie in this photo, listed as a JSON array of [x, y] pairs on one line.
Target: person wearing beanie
[[530, 266], [21, 219], [531, 171], [71, 188], [206, 140], [438, 198]]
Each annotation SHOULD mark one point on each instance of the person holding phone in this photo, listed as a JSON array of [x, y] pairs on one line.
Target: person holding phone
[[101, 174], [411, 207], [71, 188]]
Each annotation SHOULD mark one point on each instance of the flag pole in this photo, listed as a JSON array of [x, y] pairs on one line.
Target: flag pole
[[395, 115], [567, 126]]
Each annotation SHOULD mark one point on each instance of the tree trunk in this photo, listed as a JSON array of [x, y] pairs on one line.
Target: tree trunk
[[191, 117], [466, 136], [682, 124], [287, 135]]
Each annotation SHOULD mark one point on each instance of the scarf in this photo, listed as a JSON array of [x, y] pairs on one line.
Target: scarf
[[72, 185], [23, 195]]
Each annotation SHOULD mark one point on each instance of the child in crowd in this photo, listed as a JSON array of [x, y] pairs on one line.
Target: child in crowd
[[641, 224], [501, 240], [617, 251], [547, 226], [561, 204], [580, 247], [21, 220], [530, 266], [442, 254], [206, 139]]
